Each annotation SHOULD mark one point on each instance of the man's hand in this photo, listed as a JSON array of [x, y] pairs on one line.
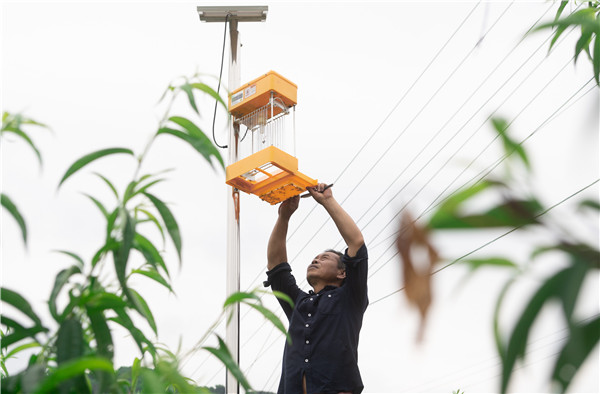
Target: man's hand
[[320, 193], [288, 207]]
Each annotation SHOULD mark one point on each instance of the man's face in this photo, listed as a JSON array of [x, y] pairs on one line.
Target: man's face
[[324, 267]]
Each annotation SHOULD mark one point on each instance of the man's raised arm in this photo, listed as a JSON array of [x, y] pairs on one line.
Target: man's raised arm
[[346, 226], [276, 250]]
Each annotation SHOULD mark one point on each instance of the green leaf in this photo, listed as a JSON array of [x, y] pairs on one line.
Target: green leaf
[[98, 204], [11, 323], [70, 346], [448, 209], [475, 264], [565, 286], [73, 369], [110, 246], [135, 372], [25, 137], [562, 6], [187, 88], [145, 187], [151, 382], [15, 299], [284, 297], [583, 43], [12, 209], [78, 259], [207, 89], [223, 354], [559, 31], [121, 254], [169, 221], [239, 297], [153, 219], [109, 183], [20, 348], [201, 144], [272, 318], [593, 204], [87, 159], [104, 300], [61, 279], [579, 253], [511, 213], [20, 334], [69, 341], [149, 251], [596, 59], [125, 321], [104, 345], [510, 146], [144, 310], [153, 274], [582, 340]]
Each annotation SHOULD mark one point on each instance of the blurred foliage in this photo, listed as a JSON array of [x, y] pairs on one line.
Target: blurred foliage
[[587, 20], [519, 210], [15, 125], [86, 304]]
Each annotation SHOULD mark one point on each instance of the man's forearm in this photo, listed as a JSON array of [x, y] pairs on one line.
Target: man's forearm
[[346, 226], [276, 249]]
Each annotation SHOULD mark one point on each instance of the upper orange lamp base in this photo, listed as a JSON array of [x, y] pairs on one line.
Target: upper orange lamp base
[[257, 93]]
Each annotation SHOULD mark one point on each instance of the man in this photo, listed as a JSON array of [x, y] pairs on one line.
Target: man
[[324, 323]]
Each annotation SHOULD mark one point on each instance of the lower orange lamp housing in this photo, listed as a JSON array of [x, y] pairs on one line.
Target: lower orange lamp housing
[[271, 174]]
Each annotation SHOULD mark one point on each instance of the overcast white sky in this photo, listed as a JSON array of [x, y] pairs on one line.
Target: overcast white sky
[[95, 71]]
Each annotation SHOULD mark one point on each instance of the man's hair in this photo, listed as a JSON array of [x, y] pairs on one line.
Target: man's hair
[[341, 264]]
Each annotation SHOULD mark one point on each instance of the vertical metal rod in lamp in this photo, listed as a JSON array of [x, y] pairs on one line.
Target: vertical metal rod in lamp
[[233, 15]]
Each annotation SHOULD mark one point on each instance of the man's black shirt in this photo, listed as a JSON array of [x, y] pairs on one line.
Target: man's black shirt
[[324, 328]]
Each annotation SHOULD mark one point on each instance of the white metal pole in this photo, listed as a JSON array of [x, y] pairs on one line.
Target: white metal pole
[[232, 336]]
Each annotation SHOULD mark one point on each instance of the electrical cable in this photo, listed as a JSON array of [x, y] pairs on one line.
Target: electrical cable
[[495, 239], [378, 128], [457, 132], [487, 170], [490, 168], [219, 85], [489, 144], [401, 133]]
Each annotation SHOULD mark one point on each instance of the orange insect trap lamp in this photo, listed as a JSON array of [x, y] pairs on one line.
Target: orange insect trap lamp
[[261, 108]]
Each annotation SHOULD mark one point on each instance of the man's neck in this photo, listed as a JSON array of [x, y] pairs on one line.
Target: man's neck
[[320, 286]]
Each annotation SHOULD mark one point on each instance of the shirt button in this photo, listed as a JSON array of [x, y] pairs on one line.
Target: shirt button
[[307, 341], [307, 325], [311, 299], [329, 295], [305, 360], [309, 315]]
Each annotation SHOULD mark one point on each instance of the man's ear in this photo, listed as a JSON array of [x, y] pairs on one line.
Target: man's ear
[[341, 274]]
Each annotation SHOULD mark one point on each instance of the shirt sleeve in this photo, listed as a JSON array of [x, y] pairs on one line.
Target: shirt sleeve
[[281, 279], [356, 276]]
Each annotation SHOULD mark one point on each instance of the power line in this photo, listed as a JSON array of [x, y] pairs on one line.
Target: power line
[[378, 128], [402, 132], [495, 239], [458, 131], [477, 157], [490, 168]]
